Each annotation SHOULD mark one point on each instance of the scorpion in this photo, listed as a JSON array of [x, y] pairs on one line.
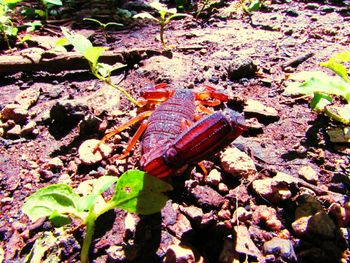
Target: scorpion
[[171, 137]]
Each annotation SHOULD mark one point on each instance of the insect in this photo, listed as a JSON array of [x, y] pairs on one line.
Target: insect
[[171, 137]]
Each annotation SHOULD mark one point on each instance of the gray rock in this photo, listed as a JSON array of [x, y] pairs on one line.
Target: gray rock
[[281, 248], [28, 97], [207, 197], [241, 67], [69, 111]]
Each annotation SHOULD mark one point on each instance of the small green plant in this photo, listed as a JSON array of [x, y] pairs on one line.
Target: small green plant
[[254, 5], [321, 86], [100, 70], [47, 4], [135, 192], [7, 27], [165, 16], [203, 5], [103, 25]]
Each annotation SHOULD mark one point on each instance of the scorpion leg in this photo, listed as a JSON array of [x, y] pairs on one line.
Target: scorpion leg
[[134, 139], [121, 128]]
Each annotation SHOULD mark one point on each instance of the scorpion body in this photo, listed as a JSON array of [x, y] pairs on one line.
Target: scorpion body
[[168, 148]]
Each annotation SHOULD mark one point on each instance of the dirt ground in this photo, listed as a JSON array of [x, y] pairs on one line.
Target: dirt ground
[[286, 136]]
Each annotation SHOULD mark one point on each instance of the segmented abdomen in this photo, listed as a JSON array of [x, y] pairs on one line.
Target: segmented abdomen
[[166, 122]]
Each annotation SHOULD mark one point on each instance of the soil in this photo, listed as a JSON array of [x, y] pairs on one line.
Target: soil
[[205, 49]]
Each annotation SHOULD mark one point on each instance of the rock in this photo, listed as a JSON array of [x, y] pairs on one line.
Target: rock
[[339, 135], [340, 213], [69, 111], [213, 178], [207, 197], [116, 254], [312, 6], [266, 216], [307, 205], [29, 128], [54, 163], [244, 244], [86, 154], [317, 226], [255, 107], [2, 132], [193, 212], [106, 99], [223, 188], [130, 226], [181, 254], [14, 132], [237, 163], [28, 97], [241, 215], [14, 112], [181, 227], [239, 194], [282, 249], [272, 190], [308, 174], [241, 67]]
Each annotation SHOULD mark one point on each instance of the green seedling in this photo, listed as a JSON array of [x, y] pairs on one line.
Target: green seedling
[[135, 192], [321, 87], [100, 70], [7, 27], [47, 4], [254, 5], [165, 16], [103, 25], [203, 5]]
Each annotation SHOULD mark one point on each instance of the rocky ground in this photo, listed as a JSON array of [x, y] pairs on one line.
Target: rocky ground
[[277, 194]]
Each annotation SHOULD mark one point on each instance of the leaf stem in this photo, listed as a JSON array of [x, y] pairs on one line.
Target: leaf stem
[[90, 228]]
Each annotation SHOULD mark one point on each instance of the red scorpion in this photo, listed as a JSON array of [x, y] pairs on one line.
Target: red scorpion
[[170, 139]]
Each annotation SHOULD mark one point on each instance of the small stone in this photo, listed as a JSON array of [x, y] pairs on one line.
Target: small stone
[[14, 112], [244, 244], [55, 163], [256, 107], [28, 97], [192, 212], [116, 254], [340, 213], [237, 163], [317, 226], [64, 179], [241, 215], [265, 215], [241, 67], [272, 190], [130, 225], [280, 248], [28, 128], [86, 149], [213, 178], [224, 214], [312, 6], [308, 174], [207, 197], [15, 132], [2, 131], [223, 188], [180, 253]]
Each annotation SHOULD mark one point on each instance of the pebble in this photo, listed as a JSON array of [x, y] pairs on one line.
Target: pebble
[[116, 254], [258, 108], [241, 215], [340, 213], [308, 173], [207, 197], [14, 132], [267, 216], [213, 178], [14, 112], [28, 128], [223, 188], [237, 163], [86, 154], [55, 163], [282, 249], [244, 244], [272, 190], [179, 253], [28, 97], [193, 212], [241, 67]]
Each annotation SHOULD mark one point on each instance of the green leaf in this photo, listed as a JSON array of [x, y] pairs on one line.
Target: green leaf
[[145, 15], [341, 114], [176, 16], [58, 219], [319, 101], [57, 197], [317, 81], [254, 6], [31, 26], [53, 2], [92, 54], [141, 193], [80, 42], [99, 186], [334, 63], [10, 2], [44, 243]]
